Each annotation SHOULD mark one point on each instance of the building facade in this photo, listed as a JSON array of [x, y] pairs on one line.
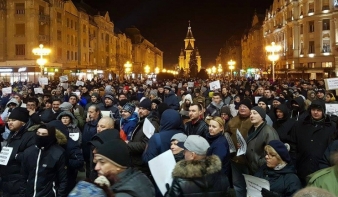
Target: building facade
[[307, 31], [82, 41], [189, 48]]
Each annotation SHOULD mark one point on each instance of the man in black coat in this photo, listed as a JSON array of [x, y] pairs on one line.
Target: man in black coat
[[311, 138], [18, 140], [43, 165], [139, 140], [197, 126]]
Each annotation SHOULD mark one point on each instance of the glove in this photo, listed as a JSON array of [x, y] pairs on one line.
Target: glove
[[267, 193], [167, 187]]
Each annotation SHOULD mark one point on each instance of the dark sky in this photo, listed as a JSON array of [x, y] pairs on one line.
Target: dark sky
[[165, 22]]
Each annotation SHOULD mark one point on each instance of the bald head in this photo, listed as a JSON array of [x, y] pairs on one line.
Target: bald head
[[313, 192], [105, 123]]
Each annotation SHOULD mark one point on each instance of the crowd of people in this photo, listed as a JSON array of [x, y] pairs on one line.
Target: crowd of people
[[278, 131]]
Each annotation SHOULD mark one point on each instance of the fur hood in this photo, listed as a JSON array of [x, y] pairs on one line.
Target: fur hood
[[196, 169], [60, 137]]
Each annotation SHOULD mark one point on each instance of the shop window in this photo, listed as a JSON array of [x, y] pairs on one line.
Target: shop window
[[20, 49], [326, 64], [20, 29], [20, 8]]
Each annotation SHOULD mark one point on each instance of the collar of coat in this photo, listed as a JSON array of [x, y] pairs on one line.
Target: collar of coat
[[197, 169]]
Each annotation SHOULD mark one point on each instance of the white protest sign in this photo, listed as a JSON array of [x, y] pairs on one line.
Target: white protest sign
[[254, 185], [215, 85], [38, 91], [179, 85], [232, 147], [63, 78], [331, 108], [331, 83], [161, 168], [79, 83], [5, 155], [191, 84], [105, 113], [149, 82], [7, 90], [257, 98], [64, 85], [43, 81], [74, 136], [148, 128], [242, 142], [77, 93]]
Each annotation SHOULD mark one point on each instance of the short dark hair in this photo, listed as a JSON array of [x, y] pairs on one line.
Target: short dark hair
[[33, 100], [199, 106], [216, 94], [57, 99]]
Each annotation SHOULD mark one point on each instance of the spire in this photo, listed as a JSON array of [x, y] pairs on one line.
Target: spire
[[197, 52], [189, 33], [182, 52], [189, 47]]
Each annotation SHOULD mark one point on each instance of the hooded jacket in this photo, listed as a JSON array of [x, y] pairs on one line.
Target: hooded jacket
[[199, 178], [284, 126], [283, 182], [172, 101], [170, 124], [300, 113], [128, 125], [44, 169]]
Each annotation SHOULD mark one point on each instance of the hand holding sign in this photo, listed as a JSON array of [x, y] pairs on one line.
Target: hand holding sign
[[215, 85]]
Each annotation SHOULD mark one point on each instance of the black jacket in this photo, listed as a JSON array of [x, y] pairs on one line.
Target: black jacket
[[12, 179], [199, 178], [284, 182], [284, 126], [138, 143], [199, 128], [49, 178]]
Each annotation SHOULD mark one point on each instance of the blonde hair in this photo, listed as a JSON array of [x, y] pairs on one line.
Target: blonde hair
[[271, 151], [220, 121]]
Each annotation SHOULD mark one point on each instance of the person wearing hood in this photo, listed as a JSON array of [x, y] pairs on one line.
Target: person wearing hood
[[311, 138], [170, 124], [226, 115], [259, 135], [330, 98], [171, 99], [13, 103], [298, 111], [198, 174], [263, 103], [283, 124], [311, 96], [320, 94], [19, 139], [234, 105], [43, 165], [279, 171], [214, 108], [177, 151]]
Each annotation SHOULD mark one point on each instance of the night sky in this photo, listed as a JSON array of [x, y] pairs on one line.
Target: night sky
[[165, 22]]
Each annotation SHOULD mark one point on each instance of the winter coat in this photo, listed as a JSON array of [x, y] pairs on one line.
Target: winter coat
[[198, 128], [170, 125], [326, 161], [128, 125], [49, 177], [172, 101], [11, 176], [283, 182], [138, 142], [300, 114], [243, 125], [133, 183], [311, 140], [219, 146], [90, 129], [213, 109], [199, 178], [256, 141], [325, 179], [284, 126]]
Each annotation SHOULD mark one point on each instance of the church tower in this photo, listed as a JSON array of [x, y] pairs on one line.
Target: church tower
[[189, 47]]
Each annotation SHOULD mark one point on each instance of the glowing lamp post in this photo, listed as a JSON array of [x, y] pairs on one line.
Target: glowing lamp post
[[213, 69], [231, 67], [219, 69], [41, 52], [273, 49]]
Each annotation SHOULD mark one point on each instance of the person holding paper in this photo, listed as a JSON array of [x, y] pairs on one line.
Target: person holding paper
[[259, 135], [279, 171], [198, 174]]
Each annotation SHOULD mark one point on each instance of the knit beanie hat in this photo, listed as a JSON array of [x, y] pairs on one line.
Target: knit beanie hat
[[129, 107], [96, 95], [279, 99], [66, 106], [111, 97], [225, 110], [261, 111], [146, 104], [264, 100], [281, 149], [19, 113], [116, 151], [153, 92], [246, 102]]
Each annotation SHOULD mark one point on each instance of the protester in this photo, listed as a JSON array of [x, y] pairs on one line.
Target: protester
[[177, 151]]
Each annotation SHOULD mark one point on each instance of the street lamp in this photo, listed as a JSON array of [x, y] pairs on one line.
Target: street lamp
[[164, 70], [219, 69], [273, 49], [127, 68], [213, 69], [231, 67], [41, 52]]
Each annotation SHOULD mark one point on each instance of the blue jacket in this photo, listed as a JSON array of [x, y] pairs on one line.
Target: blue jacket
[[128, 125], [172, 101], [170, 125], [219, 146]]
